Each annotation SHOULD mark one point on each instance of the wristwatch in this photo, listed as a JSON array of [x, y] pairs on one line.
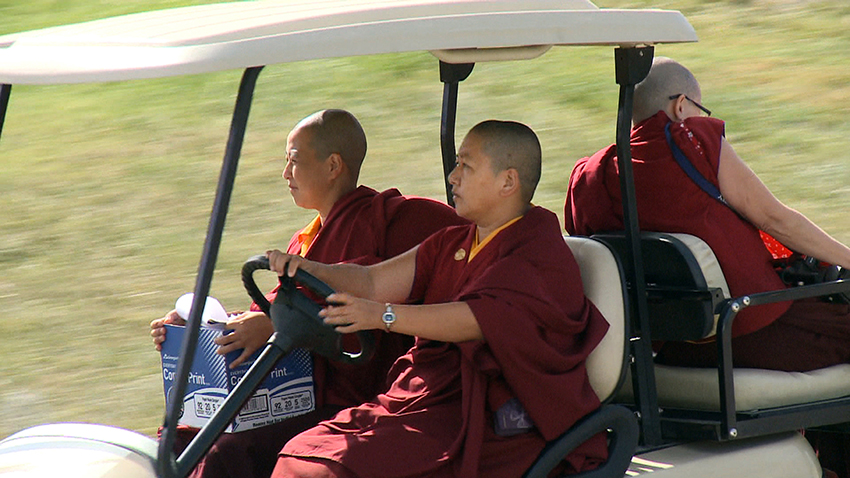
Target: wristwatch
[[388, 317]]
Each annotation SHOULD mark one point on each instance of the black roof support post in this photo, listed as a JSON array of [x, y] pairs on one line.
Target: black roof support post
[[632, 65], [450, 75], [5, 93], [275, 349], [166, 464]]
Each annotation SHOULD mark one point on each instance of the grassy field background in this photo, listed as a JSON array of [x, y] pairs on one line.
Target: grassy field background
[[107, 189]]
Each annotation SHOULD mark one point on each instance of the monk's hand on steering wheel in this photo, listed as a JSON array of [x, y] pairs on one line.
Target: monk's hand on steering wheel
[[351, 314], [278, 262], [297, 315]]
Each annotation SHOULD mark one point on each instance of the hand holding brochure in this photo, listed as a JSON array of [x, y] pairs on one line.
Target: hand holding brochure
[[286, 392]]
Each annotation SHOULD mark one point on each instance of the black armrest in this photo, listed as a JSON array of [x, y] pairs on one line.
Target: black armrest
[[623, 439], [795, 293], [728, 310]]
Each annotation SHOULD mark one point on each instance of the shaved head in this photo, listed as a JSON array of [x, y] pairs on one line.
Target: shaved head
[[509, 144], [337, 131], [666, 78]]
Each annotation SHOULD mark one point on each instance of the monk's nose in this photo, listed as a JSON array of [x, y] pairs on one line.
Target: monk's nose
[[453, 177]]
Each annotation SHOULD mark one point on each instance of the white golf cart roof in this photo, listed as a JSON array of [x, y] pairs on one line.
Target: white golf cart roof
[[239, 35]]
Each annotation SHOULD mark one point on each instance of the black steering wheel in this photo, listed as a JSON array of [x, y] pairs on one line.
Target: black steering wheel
[[296, 316]]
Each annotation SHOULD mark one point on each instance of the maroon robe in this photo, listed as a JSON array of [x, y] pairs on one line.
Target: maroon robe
[[809, 334], [436, 419], [669, 201], [365, 227]]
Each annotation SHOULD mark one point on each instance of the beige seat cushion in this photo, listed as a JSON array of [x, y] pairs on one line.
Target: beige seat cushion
[[603, 285], [755, 389]]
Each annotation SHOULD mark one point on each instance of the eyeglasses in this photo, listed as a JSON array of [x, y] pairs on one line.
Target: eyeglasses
[[701, 107]]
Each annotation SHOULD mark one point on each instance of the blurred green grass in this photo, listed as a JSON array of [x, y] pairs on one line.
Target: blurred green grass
[[107, 189]]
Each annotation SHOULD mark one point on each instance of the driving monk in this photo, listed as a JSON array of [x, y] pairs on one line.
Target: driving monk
[[502, 331]]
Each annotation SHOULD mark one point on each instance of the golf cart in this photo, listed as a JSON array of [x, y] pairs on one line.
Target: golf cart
[[642, 283]]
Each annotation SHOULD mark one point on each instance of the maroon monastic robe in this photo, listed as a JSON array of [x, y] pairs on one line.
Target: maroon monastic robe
[[804, 336], [799, 336], [436, 419], [365, 227], [669, 201]]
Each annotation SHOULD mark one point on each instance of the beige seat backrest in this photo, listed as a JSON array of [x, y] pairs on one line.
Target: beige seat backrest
[[604, 286], [707, 261], [714, 278]]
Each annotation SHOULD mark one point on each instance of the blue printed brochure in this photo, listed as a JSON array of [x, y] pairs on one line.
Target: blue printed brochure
[[288, 390]]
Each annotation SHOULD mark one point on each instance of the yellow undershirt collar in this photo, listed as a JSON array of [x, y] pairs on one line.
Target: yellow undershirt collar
[[309, 233], [476, 247]]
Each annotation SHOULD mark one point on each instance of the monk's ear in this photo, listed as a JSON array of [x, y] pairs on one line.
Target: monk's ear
[[335, 166], [510, 182], [678, 109]]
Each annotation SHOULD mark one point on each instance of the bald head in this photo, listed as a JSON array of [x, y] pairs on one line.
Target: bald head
[[337, 131], [666, 78], [509, 144]]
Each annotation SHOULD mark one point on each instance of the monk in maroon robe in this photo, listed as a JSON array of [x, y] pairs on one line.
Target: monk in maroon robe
[[793, 336], [810, 334], [356, 224], [502, 332]]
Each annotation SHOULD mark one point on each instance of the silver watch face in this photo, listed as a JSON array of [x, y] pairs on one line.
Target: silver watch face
[[388, 317]]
